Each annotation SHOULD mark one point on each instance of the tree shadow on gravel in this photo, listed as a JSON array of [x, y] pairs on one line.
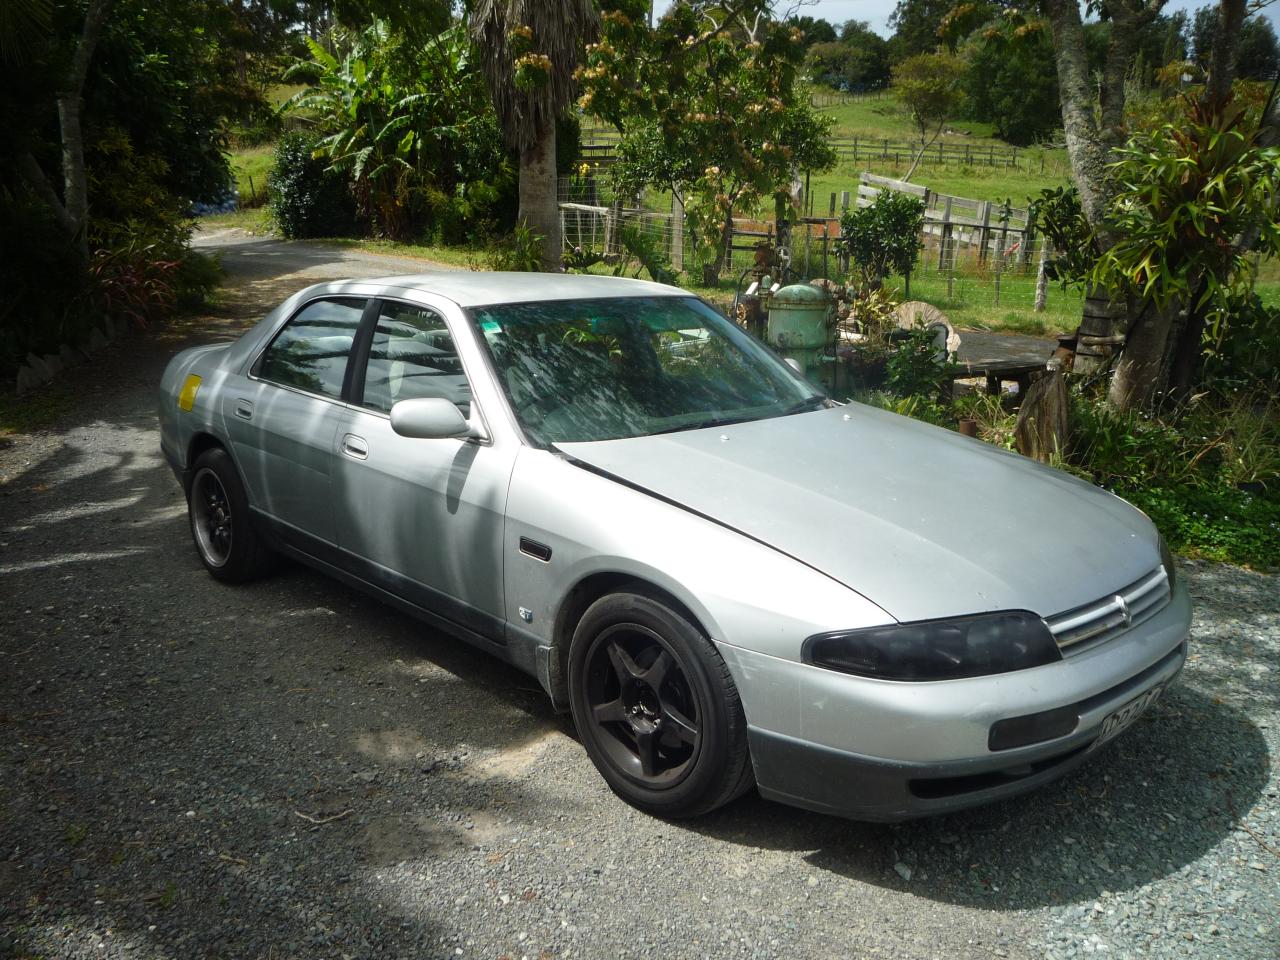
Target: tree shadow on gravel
[[215, 771], [1156, 799]]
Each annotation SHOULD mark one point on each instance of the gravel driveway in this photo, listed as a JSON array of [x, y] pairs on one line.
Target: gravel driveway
[[292, 770]]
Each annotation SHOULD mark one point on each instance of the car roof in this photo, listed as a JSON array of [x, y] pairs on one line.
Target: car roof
[[474, 288]]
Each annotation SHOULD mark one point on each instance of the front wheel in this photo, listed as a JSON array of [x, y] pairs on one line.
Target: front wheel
[[656, 708], [218, 509]]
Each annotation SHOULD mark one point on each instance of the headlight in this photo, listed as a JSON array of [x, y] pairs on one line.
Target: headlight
[[1166, 560], [938, 649]]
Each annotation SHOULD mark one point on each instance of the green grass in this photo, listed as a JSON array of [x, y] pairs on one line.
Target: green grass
[[278, 93], [250, 166], [886, 119], [471, 258], [972, 303], [256, 221], [1267, 286]]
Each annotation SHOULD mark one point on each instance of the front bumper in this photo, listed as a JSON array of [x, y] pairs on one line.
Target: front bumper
[[885, 751]]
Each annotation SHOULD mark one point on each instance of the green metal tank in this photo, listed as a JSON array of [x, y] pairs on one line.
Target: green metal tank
[[800, 325]]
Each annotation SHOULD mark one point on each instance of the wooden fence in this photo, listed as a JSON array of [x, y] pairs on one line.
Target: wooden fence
[[600, 148], [981, 232]]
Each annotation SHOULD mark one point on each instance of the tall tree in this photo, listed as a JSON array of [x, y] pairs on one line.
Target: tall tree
[[1095, 130], [916, 25], [71, 210], [710, 103], [931, 87], [530, 52]]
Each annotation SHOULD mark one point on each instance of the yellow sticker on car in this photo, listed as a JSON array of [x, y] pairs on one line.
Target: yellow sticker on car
[[187, 398]]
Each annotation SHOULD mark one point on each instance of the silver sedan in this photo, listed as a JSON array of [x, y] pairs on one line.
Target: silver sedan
[[730, 581]]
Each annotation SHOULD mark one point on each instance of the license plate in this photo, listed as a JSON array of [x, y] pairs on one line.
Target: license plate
[[1124, 717]]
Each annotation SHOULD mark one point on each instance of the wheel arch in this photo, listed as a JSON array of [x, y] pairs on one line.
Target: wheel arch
[[580, 597], [201, 442]]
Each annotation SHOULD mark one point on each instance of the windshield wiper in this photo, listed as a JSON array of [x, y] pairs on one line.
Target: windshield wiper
[[702, 424], [817, 400], [806, 403]]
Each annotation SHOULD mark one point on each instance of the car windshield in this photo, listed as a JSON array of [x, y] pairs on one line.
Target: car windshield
[[628, 367]]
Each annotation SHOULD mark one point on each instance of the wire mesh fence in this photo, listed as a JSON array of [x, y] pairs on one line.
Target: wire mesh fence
[[965, 269]]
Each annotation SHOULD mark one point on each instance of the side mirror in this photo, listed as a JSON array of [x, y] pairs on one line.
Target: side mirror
[[429, 418], [794, 364]]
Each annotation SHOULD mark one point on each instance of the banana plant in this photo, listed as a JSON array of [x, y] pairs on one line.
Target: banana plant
[[387, 117]]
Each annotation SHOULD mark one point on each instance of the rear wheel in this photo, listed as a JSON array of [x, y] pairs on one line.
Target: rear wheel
[[656, 708], [218, 509]]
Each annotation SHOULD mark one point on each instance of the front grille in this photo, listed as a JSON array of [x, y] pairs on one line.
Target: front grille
[[1097, 622]]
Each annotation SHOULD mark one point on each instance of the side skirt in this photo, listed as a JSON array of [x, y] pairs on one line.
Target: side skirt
[[446, 614]]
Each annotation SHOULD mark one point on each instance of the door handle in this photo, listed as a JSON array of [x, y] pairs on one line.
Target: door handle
[[355, 447], [244, 409]]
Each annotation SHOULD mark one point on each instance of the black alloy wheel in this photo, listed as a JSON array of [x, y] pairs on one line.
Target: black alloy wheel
[[218, 509], [640, 696], [656, 707]]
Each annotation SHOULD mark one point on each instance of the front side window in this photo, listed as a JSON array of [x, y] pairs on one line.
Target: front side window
[[612, 368], [412, 356], [311, 352]]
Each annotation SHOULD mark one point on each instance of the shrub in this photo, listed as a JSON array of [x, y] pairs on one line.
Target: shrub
[[1246, 352], [521, 252], [882, 238], [307, 200]]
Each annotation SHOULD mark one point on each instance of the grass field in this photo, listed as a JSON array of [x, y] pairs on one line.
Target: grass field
[[250, 166]]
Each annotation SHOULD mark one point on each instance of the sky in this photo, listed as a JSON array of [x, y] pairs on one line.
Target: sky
[[876, 12]]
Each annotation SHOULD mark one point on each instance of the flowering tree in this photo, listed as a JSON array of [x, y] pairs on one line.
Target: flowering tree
[[711, 104]]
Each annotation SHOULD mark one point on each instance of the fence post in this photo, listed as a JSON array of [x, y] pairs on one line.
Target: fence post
[[984, 232], [999, 265], [842, 261], [677, 232], [831, 214], [1042, 277], [946, 233], [951, 271]]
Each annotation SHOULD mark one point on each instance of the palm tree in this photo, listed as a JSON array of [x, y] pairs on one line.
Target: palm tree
[[529, 51]]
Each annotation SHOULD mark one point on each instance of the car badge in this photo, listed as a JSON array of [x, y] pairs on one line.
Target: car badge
[[1124, 610]]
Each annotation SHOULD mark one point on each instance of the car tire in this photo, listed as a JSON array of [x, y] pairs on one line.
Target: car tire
[[221, 526], [656, 708]]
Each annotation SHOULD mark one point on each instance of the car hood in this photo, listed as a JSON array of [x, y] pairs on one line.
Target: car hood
[[920, 520]]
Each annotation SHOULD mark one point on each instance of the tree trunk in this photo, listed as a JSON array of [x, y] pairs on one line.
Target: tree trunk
[[1137, 381], [1085, 149], [539, 203], [75, 194], [723, 256], [1222, 58], [1096, 338], [1040, 431], [1186, 355]]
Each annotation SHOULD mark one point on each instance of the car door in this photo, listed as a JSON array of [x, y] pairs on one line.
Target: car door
[[283, 417], [424, 518]]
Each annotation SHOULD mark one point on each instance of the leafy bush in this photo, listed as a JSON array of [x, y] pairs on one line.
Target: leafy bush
[[36, 316], [133, 283], [1218, 523], [882, 238], [521, 252], [307, 199], [914, 368], [1246, 352]]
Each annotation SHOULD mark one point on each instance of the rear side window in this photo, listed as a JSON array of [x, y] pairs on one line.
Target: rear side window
[[311, 352], [412, 355]]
